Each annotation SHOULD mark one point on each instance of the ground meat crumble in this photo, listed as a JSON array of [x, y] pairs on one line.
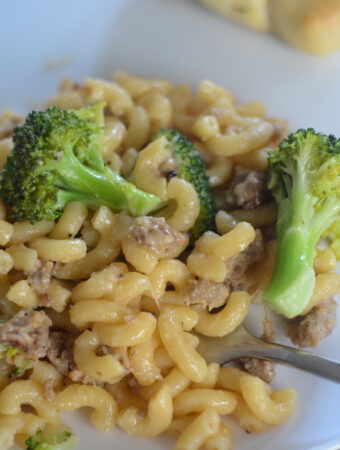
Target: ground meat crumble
[[308, 330], [60, 354], [40, 281], [260, 367], [27, 330], [157, 235], [247, 190], [239, 263], [209, 294]]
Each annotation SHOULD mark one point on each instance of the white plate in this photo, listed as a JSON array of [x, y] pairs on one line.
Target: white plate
[[182, 41]]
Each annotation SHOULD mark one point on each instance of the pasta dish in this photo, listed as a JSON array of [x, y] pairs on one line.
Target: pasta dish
[[149, 217]]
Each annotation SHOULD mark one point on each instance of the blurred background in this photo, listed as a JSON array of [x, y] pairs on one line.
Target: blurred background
[[178, 39]]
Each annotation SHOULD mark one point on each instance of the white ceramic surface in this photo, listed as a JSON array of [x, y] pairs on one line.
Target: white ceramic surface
[[182, 41]]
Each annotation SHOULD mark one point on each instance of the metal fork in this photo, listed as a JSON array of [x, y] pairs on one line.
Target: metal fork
[[241, 343]]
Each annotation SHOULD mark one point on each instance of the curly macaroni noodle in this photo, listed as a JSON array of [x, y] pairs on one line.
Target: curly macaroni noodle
[[100, 283], [22, 295], [147, 171], [105, 251], [326, 284], [199, 431], [112, 137], [27, 392], [44, 372], [159, 110], [187, 204], [136, 330], [143, 365], [157, 420], [103, 311], [173, 324], [102, 368], [168, 271], [116, 97], [105, 409], [197, 400], [247, 420], [274, 408], [227, 320], [138, 128], [176, 381]]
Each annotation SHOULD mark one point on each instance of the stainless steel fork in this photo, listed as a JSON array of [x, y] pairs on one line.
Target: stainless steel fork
[[241, 343]]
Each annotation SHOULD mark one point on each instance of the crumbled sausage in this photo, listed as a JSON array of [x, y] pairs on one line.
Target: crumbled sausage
[[239, 263], [268, 331], [27, 330], [40, 279], [260, 367], [157, 235], [60, 354], [60, 351], [208, 293], [308, 330], [248, 189]]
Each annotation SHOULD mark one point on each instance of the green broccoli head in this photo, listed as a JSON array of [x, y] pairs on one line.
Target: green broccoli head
[[192, 168], [90, 153], [314, 156], [64, 440], [57, 159], [30, 177], [304, 177]]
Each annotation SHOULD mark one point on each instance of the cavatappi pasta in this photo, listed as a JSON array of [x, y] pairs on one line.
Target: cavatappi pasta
[[122, 296]]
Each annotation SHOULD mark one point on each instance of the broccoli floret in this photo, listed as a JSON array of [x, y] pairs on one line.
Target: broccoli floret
[[191, 167], [56, 160], [304, 177], [64, 440]]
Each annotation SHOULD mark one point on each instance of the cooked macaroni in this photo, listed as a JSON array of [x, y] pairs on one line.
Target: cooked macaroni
[[125, 309]]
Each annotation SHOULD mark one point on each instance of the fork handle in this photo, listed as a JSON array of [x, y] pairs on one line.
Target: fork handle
[[300, 359]]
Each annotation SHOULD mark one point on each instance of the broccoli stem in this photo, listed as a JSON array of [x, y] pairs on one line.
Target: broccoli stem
[[65, 197], [80, 182], [299, 229], [292, 282], [293, 278]]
